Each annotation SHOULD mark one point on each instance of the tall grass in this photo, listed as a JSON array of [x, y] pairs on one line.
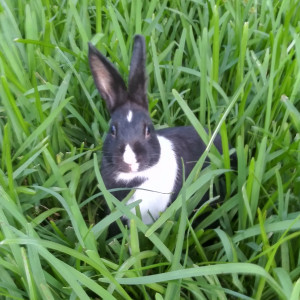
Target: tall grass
[[230, 66]]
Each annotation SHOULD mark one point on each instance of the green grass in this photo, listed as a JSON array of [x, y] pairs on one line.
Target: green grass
[[230, 66]]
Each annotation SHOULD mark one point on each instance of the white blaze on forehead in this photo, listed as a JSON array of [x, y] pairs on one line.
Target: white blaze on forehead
[[129, 156], [129, 116]]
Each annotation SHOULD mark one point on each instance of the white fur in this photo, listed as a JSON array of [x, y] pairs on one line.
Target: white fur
[[130, 158], [160, 179], [129, 116]]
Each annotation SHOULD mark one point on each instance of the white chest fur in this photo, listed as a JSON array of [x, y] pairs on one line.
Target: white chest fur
[[155, 191]]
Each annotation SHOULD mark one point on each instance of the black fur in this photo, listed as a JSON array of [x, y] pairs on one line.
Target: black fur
[[188, 147]]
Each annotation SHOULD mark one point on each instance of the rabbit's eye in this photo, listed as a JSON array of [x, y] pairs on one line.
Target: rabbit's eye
[[113, 130], [147, 131]]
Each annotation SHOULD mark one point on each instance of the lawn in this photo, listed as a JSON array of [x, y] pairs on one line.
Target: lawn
[[230, 66]]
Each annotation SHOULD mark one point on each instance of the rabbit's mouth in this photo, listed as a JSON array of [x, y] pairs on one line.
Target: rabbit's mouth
[[133, 167], [130, 160], [129, 168]]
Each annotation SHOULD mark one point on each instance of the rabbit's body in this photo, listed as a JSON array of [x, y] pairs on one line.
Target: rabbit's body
[[156, 182], [158, 185], [134, 154]]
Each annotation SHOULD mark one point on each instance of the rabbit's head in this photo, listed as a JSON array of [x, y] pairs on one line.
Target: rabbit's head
[[131, 144]]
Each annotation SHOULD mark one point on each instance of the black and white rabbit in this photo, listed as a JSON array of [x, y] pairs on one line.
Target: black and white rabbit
[[135, 155]]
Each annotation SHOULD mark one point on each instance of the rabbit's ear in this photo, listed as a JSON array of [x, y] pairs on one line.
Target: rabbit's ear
[[137, 84], [107, 79]]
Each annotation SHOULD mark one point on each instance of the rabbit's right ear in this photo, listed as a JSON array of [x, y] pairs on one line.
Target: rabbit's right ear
[[137, 83], [107, 79]]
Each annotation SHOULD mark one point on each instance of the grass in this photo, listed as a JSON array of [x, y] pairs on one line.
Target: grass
[[230, 66]]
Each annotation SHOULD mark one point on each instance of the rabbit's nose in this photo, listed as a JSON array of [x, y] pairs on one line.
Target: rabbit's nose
[[129, 156], [134, 167]]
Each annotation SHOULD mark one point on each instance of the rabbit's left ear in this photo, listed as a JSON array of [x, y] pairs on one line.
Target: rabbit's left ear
[[137, 83], [107, 79]]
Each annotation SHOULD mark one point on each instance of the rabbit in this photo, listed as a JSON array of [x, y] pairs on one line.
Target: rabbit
[[135, 155]]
